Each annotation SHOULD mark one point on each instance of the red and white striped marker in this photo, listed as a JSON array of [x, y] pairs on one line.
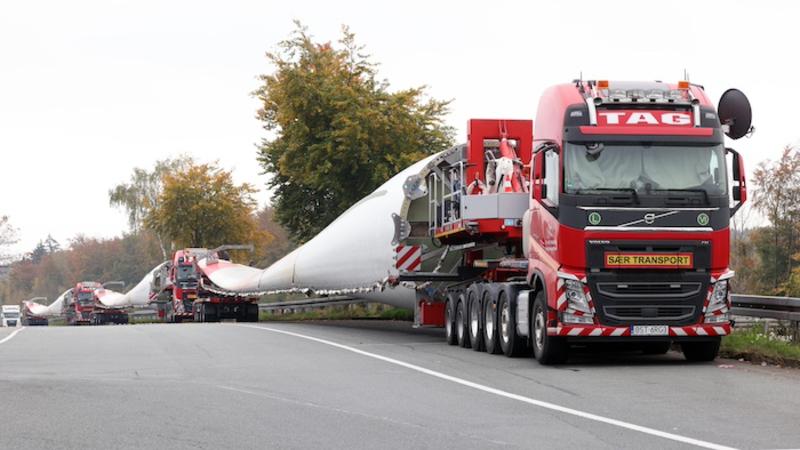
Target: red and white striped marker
[[408, 258]]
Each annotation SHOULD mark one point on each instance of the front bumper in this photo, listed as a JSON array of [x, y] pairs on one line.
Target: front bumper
[[591, 331]]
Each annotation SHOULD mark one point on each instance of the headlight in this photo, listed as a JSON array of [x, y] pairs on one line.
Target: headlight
[[720, 292], [718, 302], [576, 299]]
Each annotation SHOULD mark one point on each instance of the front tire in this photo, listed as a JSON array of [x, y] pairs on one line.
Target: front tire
[[701, 351], [546, 349]]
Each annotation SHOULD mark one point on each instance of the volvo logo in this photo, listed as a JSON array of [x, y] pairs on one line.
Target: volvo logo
[[649, 218]]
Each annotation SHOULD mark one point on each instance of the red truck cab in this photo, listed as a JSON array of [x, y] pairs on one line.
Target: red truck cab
[[79, 304], [628, 233]]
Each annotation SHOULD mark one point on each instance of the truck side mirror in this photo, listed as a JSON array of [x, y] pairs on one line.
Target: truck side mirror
[[737, 172]]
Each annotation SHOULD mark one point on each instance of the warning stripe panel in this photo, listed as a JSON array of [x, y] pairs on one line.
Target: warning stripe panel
[[408, 258], [589, 330]]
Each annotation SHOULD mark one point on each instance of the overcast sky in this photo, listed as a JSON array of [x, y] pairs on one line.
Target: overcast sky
[[91, 89]]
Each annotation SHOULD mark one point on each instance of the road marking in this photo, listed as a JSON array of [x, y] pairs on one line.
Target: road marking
[[501, 393], [8, 338]]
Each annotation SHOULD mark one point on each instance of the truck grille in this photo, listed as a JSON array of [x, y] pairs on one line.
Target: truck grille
[[645, 312], [657, 297], [642, 290]]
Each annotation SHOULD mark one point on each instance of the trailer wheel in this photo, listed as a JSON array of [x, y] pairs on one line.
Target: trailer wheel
[[546, 349], [490, 337], [461, 323], [701, 351], [449, 319], [474, 294], [210, 312], [511, 343]]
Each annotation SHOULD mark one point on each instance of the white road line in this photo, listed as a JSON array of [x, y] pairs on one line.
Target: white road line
[[8, 338], [501, 393]]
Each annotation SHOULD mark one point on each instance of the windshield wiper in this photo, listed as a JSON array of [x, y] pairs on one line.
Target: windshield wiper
[[634, 194], [703, 191]]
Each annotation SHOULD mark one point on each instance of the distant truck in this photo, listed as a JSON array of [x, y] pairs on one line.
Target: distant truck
[[105, 309], [79, 302], [9, 316], [180, 290], [31, 319]]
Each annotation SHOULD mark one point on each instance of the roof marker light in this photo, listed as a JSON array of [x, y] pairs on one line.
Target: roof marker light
[[602, 84], [683, 85]]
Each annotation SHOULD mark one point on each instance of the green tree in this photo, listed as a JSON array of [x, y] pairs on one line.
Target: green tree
[[140, 195], [38, 253], [201, 206], [338, 131]]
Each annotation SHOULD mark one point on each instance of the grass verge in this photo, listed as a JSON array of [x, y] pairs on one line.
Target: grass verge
[[755, 345], [344, 312]]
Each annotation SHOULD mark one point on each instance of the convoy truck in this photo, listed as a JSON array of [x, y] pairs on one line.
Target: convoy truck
[[610, 225], [605, 221], [181, 289], [106, 310], [33, 314], [9, 316], [79, 303]]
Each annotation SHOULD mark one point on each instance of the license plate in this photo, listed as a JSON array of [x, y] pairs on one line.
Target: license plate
[[649, 330]]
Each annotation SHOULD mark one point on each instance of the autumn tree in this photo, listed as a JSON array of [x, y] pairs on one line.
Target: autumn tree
[[777, 196], [8, 237], [281, 245], [339, 132], [201, 206], [139, 196]]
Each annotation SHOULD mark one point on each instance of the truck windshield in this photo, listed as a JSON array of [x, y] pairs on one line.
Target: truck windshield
[[644, 168], [11, 315], [84, 297], [187, 273]]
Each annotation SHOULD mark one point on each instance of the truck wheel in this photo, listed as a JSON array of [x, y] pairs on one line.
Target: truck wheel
[[656, 348], [511, 343], [546, 349], [449, 319], [490, 337], [252, 312], [701, 351], [461, 323], [474, 294]]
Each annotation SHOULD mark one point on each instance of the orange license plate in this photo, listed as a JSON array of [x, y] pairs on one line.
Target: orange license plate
[[649, 260]]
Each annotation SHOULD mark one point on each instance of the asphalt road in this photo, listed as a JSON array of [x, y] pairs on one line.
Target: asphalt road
[[365, 385]]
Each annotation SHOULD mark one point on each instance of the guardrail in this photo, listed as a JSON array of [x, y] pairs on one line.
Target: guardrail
[[781, 308]]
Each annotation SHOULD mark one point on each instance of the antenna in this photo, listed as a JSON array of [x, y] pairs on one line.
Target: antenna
[[685, 74]]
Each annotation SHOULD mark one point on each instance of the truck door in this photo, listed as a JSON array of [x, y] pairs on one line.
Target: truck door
[[546, 179]]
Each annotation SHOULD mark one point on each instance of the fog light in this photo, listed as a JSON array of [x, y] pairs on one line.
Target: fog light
[[572, 318], [719, 318]]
